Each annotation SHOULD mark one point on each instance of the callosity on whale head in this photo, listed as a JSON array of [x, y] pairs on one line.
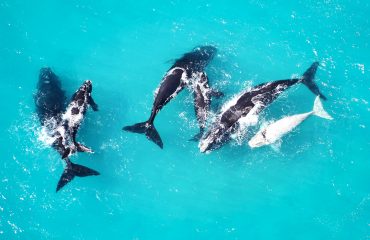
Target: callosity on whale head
[[206, 53], [46, 73], [50, 99], [86, 86], [197, 59]]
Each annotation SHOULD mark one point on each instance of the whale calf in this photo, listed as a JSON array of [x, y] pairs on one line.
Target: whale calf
[[65, 136], [247, 106], [202, 101], [71, 120], [187, 69], [278, 129]]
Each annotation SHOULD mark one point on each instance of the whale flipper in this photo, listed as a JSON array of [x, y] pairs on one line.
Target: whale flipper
[[198, 136], [308, 77], [148, 129], [276, 146], [83, 148], [216, 93], [92, 103], [73, 170], [80, 147]]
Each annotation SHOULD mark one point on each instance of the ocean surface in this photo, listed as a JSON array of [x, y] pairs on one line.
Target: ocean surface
[[315, 185]]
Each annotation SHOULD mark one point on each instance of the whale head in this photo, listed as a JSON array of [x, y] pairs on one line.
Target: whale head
[[258, 140], [46, 73], [212, 140], [86, 86], [207, 53], [48, 79]]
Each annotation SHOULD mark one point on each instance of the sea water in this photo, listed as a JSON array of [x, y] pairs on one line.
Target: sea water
[[316, 185]]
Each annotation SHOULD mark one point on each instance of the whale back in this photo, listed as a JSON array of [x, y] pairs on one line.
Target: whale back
[[50, 99], [197, 59]]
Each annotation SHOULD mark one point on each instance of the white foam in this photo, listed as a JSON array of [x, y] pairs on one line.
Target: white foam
[[361, 67], [45, 137]]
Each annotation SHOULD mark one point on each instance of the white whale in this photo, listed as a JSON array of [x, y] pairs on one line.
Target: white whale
[[278, 129]]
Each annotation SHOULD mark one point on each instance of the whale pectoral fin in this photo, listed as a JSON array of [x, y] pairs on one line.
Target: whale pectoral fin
[[170, 61], [276, 145], [212, 92], [80, 147], [198, 136], [216, 93], [83, 148], [92, 103]]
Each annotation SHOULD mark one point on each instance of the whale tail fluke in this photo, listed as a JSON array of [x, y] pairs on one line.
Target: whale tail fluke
[[319, 111], [83, 148], [308, 80], [148, 129], [73, 170]]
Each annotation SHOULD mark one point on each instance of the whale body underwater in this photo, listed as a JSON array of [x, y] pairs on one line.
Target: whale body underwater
[[249, 104], [50, 99], [186, 71], [62, 124]]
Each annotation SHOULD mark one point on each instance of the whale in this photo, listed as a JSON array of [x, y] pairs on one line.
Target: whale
[[276, 130], [50, 102], [187, 70], [71, 121], [202, 94], [246, 106], [65, 135], [50, 99]]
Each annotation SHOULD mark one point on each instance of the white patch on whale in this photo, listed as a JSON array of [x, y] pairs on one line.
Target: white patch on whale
[[74, 119]]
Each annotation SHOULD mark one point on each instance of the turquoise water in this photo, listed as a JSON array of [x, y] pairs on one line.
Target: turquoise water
[[316, 186]]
